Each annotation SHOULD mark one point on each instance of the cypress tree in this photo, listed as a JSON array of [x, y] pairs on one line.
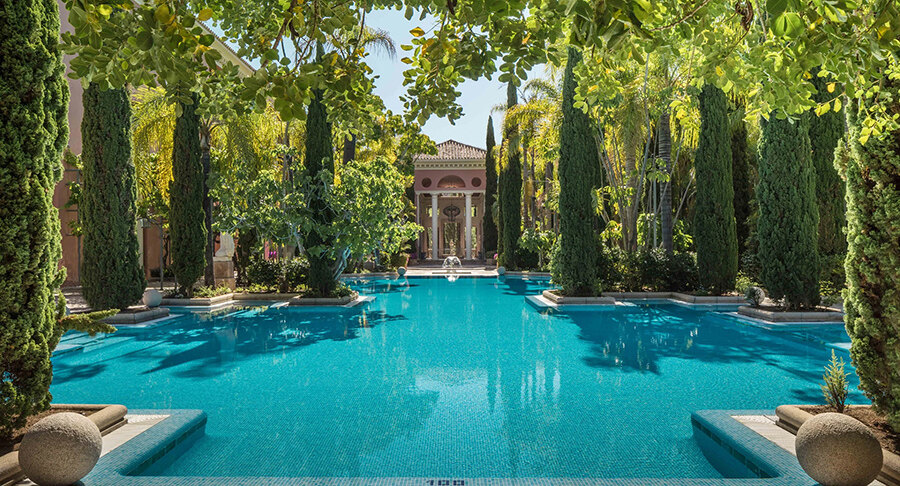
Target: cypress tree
[[714, 226], [741, 165], [511, 193], [574, 265], [33, 133], [187, 228], [111, 273], [872, 299], [825, 132], [788, 217], [489, 235], [319, 158]]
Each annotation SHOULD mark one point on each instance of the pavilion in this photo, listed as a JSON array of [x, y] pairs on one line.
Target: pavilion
[[449, 196]]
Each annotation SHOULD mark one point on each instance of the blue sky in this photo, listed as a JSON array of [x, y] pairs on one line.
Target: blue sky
[[477, 96]]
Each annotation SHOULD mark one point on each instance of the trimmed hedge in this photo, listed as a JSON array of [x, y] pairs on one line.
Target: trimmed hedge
[[111, 272], [489, 227], [573, 263], [715, 233]]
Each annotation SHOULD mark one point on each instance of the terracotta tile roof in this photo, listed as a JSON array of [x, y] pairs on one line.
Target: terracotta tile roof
[[453, 150]]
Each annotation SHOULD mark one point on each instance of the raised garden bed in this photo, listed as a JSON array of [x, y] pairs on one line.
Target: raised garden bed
[[265, 296], [336, 301], [681, 297], [136, 315], [774, 314], [791, 417], [107, 418], [201, 301], [557, 299]]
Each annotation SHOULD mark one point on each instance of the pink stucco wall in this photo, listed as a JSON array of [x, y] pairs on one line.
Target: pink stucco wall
[[435, 175]]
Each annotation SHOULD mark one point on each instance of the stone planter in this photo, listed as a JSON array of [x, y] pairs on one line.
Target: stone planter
[[785, 316], [325, 301], [401, 271], [562, 300], [201, 301], [792, 417], [137, 316], [107, 418], [275, 296]]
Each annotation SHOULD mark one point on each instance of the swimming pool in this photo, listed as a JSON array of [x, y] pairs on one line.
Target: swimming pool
[[445, 379]]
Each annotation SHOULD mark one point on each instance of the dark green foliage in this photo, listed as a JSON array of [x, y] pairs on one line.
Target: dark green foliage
[[319, 160], [281, 275], [825, 132], [111, 273], [511, 191], [650, 270], [788, 218], [33, 132], [489, 228], [715, 233], [187, 227], [742, 161], [574, 265], [872, 299]]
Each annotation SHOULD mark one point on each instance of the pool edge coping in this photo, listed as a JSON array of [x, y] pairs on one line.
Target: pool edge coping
[[181, 427]]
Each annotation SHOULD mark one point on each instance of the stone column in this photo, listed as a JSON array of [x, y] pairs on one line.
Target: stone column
[[468, 226], [434, 226]]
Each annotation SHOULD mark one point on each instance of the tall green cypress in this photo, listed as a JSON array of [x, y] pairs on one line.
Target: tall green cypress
[[511, 194], [489, 228], [187, 226], [714, 226], [788, 216], [741, 165], [34, 100], [825, 132], [111, 273], [872, 300], [574, 265], [319, 158]]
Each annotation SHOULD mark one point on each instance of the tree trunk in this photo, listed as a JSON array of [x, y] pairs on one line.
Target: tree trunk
[[665, 204], [349, 148]]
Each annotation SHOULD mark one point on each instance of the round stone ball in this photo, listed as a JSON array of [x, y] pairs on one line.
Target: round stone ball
[[838, 450], [501, 270], [60, 450], [401, 271], [152, 298]]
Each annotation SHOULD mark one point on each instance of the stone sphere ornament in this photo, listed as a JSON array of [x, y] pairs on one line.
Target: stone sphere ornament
[[401, 271], [838, 450], [501, 270], [152, 298], [60, 450]]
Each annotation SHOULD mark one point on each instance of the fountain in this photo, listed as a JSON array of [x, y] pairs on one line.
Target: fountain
[[451, 263]]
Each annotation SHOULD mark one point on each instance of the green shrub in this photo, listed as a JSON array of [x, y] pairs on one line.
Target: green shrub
[[208, 292], [836, 387], [264, 272], [754, 295], [295, 272], [651, 270]]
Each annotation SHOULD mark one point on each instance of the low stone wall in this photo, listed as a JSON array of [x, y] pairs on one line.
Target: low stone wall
[[785, 316], [335, 301], [107, 418], [199, 301], [126, 318], [791, 417], [680, 296], [563, 300]]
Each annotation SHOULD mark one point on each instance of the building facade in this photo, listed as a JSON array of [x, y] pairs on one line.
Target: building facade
[[449, 196]]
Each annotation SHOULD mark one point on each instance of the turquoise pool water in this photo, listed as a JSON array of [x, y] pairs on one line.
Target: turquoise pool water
[[445, 379]]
